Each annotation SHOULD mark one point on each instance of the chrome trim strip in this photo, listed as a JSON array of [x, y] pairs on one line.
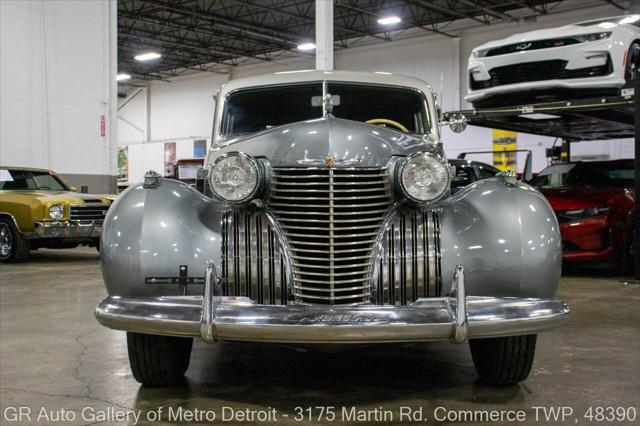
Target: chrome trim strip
[[15, 222]]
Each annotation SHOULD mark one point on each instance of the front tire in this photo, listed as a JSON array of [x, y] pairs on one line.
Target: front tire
[[630, 66], [158, 360], [503, 360], [13, 246]]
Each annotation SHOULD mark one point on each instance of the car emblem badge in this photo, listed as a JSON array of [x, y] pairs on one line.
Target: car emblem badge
[[329, 161], [523, 46]]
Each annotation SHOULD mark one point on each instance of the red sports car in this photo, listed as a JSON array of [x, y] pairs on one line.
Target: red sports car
[[594, 203]]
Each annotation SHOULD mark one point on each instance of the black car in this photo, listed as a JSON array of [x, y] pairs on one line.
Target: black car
[[468, 171]]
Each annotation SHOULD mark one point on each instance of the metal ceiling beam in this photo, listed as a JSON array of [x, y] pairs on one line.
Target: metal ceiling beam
[[168, 51], [235, 52], [524, 4], [307, 19], [613, 3], [418, 25], [488, 10], [447, 11], [222, 21]]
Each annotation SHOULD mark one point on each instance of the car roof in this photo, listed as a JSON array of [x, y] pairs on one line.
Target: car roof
[[25, 169], [302, 76]]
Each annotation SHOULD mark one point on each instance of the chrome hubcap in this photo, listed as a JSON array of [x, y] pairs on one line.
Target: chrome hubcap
[[6, 240]]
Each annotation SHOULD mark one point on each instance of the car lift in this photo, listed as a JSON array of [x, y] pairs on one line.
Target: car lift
[[611, 117]]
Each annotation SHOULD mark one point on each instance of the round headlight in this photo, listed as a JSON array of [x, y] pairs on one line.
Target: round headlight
[[424, 177], [56, 211], [234, 177]]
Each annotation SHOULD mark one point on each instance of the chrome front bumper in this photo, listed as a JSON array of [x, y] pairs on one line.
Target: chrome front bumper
[[456, 318], [67, 229]]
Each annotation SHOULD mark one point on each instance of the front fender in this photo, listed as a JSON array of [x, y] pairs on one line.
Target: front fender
[[150, 232], [506, 237]]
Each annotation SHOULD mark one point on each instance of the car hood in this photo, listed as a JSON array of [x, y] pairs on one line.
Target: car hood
[[571, 198], [350, 143], [564, 31], [59, 196]]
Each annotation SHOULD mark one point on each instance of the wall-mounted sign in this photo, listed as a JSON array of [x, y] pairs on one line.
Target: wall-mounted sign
[[505, 140], [199, 148]]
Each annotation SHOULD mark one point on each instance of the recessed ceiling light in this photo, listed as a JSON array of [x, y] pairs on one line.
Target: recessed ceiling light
[[389, 20], [123, 76], [306, 46], [147, 56]]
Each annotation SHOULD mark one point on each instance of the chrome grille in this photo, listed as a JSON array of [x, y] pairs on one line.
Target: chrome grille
[[410, 267], [252, 258], [331, 218], [89, 212]]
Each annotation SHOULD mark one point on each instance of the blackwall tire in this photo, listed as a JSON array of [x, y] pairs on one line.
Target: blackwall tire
[[503, 361], [13, 246], [158, 360], [632, 53]]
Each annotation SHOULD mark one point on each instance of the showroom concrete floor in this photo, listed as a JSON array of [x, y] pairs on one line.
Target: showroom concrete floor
[[55, 355]]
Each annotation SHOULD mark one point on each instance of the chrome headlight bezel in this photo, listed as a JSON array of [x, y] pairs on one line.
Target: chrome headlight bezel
[[411, 197], [56, 211], [256, 186]]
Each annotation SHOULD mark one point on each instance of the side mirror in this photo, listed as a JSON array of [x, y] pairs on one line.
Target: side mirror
[[73, 189], [457, 123]]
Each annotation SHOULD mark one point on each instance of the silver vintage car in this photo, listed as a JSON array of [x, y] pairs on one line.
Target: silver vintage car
[[327, 218]]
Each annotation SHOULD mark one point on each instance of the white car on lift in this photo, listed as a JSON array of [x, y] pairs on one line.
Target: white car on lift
[[591, 58]]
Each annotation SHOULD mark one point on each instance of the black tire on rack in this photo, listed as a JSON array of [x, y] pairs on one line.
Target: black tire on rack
[[632, 57], [158, 360], [503, 360]]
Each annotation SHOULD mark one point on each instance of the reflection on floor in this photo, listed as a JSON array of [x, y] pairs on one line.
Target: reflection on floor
[[54, 354]]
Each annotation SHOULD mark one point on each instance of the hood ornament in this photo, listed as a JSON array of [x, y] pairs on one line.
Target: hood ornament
[[329, 161]]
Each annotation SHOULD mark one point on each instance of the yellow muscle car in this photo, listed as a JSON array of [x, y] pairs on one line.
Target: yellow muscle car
[[38, 209]]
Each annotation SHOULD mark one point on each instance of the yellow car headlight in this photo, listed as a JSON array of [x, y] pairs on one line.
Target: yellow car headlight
[[56, 211]]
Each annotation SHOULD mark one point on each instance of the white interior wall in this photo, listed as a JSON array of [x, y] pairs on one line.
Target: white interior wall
[[56, 60], [132, 117], [184, 107]]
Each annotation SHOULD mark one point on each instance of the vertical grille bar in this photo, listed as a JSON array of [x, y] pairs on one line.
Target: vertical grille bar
[[411, 262], [253, 264]]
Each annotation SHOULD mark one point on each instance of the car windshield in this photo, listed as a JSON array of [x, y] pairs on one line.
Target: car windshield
[[600, 174], [256, 109], [27, 180]]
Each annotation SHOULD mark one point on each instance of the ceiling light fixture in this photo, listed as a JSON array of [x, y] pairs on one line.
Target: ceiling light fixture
[[123, 76], [306, 46], [147, 56], [389, 20]]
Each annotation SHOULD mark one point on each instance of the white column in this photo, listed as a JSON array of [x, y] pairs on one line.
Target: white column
[[324, 35]]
